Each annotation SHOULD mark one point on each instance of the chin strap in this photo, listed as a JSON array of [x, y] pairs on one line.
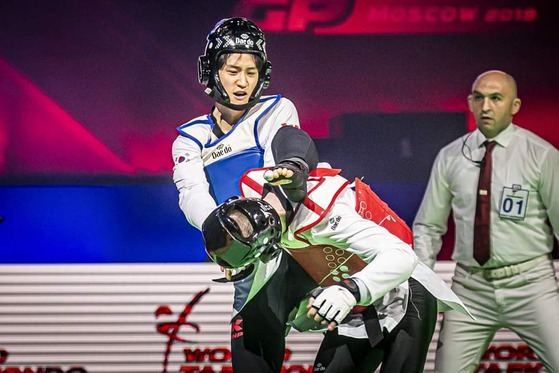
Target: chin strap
[[237, 276], [214, 93]]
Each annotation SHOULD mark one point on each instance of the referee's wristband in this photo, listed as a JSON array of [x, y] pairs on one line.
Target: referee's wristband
[[352, 286]]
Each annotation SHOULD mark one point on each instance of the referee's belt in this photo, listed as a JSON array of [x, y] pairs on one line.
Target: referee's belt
[[506, 271]]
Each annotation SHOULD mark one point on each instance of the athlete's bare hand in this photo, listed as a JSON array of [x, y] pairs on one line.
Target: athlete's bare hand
[[227, 272], [278, 176]]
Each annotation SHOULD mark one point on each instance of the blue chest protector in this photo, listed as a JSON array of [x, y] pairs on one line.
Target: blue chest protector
[[224, 176]]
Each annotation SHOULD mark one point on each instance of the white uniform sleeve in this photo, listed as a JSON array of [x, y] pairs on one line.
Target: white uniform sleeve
[[391, 260], [284, 115], [548, 188], [195, 200], [431, 221]]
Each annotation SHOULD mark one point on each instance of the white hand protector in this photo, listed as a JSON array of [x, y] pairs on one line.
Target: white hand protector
[[334, 303]]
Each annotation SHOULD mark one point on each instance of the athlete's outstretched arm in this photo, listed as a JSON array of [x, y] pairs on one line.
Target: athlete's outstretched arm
[[295, 154]]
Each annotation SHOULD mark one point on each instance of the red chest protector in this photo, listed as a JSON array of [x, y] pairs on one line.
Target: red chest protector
[[327, 264]]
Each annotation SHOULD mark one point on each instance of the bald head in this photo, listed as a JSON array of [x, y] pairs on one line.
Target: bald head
[[497, 75], [494, 102]]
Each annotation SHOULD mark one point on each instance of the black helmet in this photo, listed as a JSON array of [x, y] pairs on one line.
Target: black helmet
[[241, 231], [233, 35]]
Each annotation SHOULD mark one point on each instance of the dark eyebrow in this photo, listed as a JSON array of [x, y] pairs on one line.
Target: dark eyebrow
[[229, 66]]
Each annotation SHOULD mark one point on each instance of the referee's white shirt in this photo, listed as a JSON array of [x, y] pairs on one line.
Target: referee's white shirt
[[520, 158]]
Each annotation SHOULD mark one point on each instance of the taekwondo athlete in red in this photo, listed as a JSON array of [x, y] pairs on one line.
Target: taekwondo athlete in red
[[355, 260], [243, 130]]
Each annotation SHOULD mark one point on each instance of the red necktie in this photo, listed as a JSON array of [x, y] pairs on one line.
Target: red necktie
[[483, 207]]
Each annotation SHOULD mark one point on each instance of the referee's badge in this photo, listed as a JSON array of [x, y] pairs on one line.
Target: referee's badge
[[514, 201]]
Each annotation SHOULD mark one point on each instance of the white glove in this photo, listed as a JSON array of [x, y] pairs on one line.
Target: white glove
[[334, 303]]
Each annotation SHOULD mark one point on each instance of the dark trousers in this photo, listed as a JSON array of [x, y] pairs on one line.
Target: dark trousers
[[258, 331], [404, 349]]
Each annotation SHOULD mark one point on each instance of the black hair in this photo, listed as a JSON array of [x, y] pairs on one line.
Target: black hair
[[224, 56]]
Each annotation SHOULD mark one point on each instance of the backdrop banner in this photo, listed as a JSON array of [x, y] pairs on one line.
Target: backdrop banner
[[151, 318]]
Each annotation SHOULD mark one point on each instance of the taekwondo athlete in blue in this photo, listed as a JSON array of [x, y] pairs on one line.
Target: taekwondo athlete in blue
[[225, 159], [244, 130]]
